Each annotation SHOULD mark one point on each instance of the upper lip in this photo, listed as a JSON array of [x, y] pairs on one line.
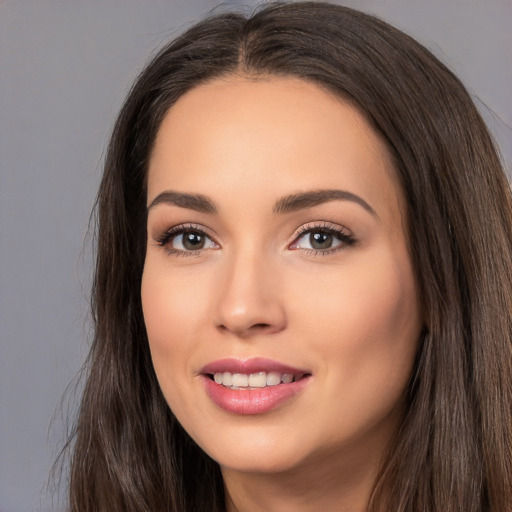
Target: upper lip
[[248, 366]]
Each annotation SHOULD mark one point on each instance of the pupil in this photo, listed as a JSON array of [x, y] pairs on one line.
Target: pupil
[[320, 240], [193, 241]]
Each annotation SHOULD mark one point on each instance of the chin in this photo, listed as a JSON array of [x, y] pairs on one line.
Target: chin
[[246, 453], [264, 462]]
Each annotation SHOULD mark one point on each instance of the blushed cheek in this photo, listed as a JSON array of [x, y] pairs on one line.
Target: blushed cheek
[[158, 306], [173, 307], [391, 332], [154, 306], [162, 327], [371, 321]]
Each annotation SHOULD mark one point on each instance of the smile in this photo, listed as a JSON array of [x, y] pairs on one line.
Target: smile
[[254, 380], [252, 386]]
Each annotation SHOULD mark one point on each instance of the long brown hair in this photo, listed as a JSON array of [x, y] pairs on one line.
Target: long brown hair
[[453, 451]]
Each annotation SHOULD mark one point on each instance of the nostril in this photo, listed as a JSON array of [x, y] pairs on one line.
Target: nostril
[[260, 326], [246, 329]]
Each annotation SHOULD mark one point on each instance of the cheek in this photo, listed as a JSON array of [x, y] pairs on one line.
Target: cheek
[[171, 307], [366, 322]]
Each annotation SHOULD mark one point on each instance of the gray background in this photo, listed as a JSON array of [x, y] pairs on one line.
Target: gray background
[[65, 67]]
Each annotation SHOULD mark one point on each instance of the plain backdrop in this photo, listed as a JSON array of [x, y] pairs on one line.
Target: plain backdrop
[[65, 67]]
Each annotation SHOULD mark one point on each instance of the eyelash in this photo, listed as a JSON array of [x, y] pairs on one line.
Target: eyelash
[[346, 238], [163, 239]]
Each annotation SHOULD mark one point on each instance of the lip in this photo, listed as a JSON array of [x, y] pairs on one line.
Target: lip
[[253, 365], [255, 400]]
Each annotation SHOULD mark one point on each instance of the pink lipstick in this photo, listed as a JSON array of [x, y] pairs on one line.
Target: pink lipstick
[[252, 386]]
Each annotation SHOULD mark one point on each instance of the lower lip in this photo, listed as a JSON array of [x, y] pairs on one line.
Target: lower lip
[[254, 400]]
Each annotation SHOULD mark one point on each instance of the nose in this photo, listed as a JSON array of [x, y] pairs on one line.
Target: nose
[[249, 301]]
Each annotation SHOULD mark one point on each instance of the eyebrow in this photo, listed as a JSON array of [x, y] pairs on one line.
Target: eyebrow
[[303, 200], [195, 202], [287, 204]]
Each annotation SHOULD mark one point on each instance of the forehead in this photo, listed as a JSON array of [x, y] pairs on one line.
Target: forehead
[[237, 131]]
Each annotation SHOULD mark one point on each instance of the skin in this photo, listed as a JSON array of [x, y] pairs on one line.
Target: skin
[[351, 316]]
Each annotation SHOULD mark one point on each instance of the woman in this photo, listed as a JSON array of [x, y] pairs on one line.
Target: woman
[[303, 286]]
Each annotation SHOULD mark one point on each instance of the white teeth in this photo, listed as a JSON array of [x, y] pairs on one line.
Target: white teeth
[[258, 380], [253, 380], [273, 378], [240, 380]]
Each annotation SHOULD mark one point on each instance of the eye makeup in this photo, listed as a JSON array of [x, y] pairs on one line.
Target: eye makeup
[[323, 238], [185, 240], [313, 238]]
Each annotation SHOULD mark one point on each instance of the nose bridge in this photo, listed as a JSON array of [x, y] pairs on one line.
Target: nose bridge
[[249, 299]]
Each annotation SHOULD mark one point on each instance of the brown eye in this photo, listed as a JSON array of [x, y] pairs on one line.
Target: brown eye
[[192, 240], [185, 240], [320, 240]]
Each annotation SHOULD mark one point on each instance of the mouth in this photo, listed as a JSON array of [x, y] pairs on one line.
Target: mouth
[[257, 380], [252, 386]]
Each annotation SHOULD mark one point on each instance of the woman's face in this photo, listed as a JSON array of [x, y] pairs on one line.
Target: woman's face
[[276, 253]]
